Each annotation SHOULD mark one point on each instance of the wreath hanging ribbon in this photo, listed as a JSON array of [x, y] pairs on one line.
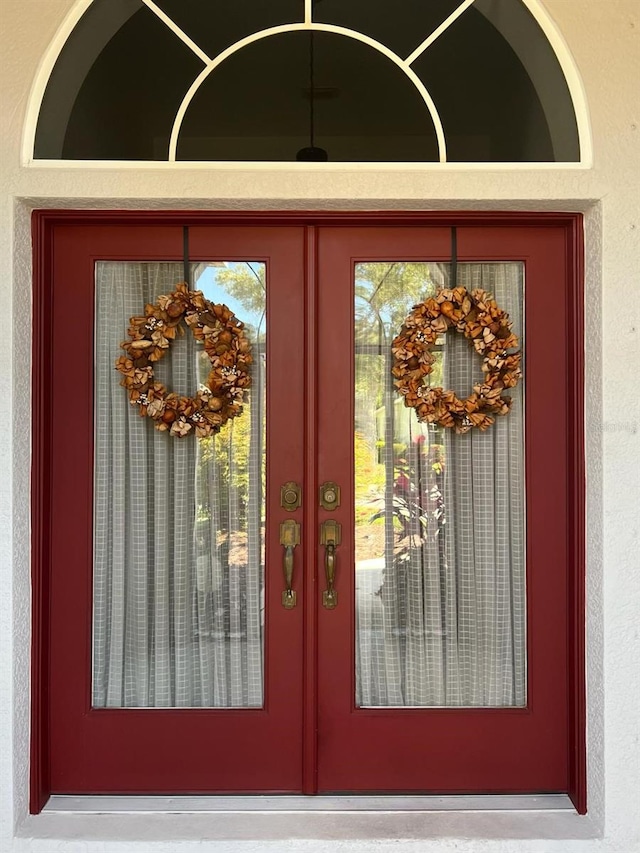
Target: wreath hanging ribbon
[[225, 343], [477, 316]]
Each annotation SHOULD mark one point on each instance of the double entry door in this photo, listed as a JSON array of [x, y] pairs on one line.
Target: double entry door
[[327, 595]]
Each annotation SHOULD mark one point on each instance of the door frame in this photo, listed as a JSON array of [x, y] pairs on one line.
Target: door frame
[[44, 223]]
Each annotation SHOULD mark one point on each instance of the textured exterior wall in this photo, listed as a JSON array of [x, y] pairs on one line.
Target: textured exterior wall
[[603, 38]]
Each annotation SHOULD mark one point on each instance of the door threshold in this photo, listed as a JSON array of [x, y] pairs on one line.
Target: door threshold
[[132, 804]]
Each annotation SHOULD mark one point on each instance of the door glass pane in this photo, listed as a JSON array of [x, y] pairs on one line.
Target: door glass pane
[[178, 617], [439, 517]]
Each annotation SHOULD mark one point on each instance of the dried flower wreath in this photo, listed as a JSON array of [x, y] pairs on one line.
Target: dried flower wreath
[[225, 343], [488, 327]]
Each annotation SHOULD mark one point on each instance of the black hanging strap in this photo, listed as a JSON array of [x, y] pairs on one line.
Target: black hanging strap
[[185, 255], [311, 93], [454, 258]]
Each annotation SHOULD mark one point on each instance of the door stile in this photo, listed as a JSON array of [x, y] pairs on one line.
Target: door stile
[[336, 464], [310, 521]]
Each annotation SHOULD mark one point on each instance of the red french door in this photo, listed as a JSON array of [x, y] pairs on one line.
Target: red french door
[[156, 749], [362, 692], [462, 748]]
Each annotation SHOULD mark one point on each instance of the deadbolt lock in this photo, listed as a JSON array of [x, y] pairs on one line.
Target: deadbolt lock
[[290, 496], [329, 496]]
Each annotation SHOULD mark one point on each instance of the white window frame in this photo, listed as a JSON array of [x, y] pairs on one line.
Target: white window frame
[[557, 43]]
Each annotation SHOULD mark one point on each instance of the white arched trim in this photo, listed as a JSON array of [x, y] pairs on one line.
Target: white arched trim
[[292, 28], [539, 12], [571, 75], [41, 79]]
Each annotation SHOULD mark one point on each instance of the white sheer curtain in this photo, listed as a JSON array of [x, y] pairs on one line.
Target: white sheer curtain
[[445, 624], [178, 556]]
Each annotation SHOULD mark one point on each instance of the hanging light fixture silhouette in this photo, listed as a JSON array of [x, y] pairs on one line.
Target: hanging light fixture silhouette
[[312, 153]]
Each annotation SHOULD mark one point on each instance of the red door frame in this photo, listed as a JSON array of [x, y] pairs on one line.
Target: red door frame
[[44, 223]]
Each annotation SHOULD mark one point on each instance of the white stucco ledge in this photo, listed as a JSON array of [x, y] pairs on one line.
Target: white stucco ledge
[[63, 825]]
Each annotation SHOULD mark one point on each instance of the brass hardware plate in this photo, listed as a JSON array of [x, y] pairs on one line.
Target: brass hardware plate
[[290, 533], [330, 532], [329, 495], [330, 599], [289, 599], [290, 496]]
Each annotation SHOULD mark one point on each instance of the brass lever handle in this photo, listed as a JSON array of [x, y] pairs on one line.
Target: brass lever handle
[[289, 537], [288, 595], [330, 596], [330, 537]]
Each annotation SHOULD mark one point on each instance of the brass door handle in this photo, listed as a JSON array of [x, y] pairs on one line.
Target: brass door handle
[[330, 537], [289, 537], [330, 596]]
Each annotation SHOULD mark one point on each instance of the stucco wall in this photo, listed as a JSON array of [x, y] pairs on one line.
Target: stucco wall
[[602, 35]]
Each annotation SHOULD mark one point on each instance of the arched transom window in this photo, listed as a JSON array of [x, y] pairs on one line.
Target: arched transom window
[[343, 80]]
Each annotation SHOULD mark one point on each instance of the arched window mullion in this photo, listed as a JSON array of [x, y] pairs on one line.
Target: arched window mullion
[[438, 31], [171, 24], [328, 28]]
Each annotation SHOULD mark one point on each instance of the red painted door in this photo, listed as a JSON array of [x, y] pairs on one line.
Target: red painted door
[[372, 695], [387, 633], [165, 749]]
